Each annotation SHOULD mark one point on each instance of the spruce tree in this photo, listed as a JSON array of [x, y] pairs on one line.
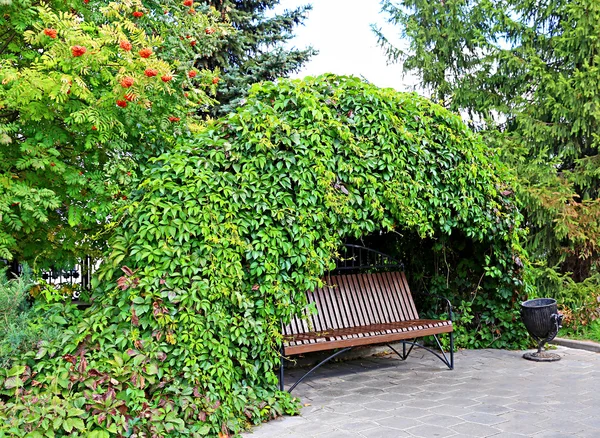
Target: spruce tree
[[526, 74], [257, 51]]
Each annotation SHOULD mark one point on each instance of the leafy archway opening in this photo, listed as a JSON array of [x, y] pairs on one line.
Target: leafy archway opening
[[230, 228], [457, 267]]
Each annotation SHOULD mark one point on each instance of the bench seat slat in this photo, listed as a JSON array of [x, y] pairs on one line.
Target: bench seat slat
[[363, 335], [330, 342]]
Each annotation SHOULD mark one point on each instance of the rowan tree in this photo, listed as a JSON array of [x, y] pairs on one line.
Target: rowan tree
[[89, 91]]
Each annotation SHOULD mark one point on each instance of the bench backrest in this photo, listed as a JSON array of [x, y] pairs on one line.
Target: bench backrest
[[354, 300]]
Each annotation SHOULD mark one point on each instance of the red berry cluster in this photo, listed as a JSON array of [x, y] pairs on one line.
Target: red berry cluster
[[122, 103], [50, 32], [150, 72], [127, 82], [166, 78], [188, 3], [138, 14], [174, 119], [126, 45], [192, 74], [145, 53], [78, 50]]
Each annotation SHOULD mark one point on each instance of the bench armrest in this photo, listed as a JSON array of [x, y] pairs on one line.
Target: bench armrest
[[447, 301]]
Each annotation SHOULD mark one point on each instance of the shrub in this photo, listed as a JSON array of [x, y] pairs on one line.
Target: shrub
[[228, 232], [578, 301], [16, 335], [27, 325]]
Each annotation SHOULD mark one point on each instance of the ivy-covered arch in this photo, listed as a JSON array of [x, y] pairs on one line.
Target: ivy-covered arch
[[231, 228]]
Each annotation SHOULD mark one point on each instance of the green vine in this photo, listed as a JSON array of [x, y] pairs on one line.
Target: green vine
[[227, 232]]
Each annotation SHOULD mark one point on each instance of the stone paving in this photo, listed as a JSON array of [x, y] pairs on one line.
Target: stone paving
[[489, 393]]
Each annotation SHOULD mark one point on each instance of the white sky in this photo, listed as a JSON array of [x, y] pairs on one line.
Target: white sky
[[340, 31]]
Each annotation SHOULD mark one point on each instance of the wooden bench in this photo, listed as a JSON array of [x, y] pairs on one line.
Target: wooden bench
[[356, 307]]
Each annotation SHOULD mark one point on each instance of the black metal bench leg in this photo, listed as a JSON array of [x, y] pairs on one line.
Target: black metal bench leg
[[404, 354], [337, 353], [281, 387], [449, 362], [451, 350]]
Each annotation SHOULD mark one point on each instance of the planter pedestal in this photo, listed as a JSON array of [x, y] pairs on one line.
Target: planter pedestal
[[542, 320]]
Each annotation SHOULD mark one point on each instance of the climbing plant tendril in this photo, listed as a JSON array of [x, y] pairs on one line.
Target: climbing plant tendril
[[231, 227]]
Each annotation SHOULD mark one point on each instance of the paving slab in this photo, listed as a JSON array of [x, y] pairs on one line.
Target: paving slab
[[490, 393]]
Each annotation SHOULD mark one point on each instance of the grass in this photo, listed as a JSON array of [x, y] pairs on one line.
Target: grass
[[590, 332]]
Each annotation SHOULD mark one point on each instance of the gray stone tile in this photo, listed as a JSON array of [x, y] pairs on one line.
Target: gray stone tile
[[333, 434], [496, 400], [505, 434], [368, 391], [491, 393], [409, 412], [310, 428], [440, 420], [482, 418], [519, 427], [476, 429], [381, 405], [524, 417], [592, 422], [527, 407], [370, 414], [565, 426], [400, 423], [345, 408], [384, 432], [433, 395], [354, 398], [381, 383], [356, 426], [397, 398], [454, 411], [559, 414], [405, 389], [551, 434], [429, 431], [463, 402], [329, 417], [492, 409], [423, 404]]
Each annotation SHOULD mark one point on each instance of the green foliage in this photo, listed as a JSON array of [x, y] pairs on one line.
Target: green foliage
[[231, 228], [526, 74], [486, 310], [14, 330], [79, 116], [257, 51], [586, 332], [578, 301], [25, 328]]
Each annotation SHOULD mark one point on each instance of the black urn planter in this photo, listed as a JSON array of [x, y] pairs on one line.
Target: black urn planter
[[542, 320]]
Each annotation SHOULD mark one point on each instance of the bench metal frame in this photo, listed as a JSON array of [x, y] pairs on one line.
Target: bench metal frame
[[358, 259]]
